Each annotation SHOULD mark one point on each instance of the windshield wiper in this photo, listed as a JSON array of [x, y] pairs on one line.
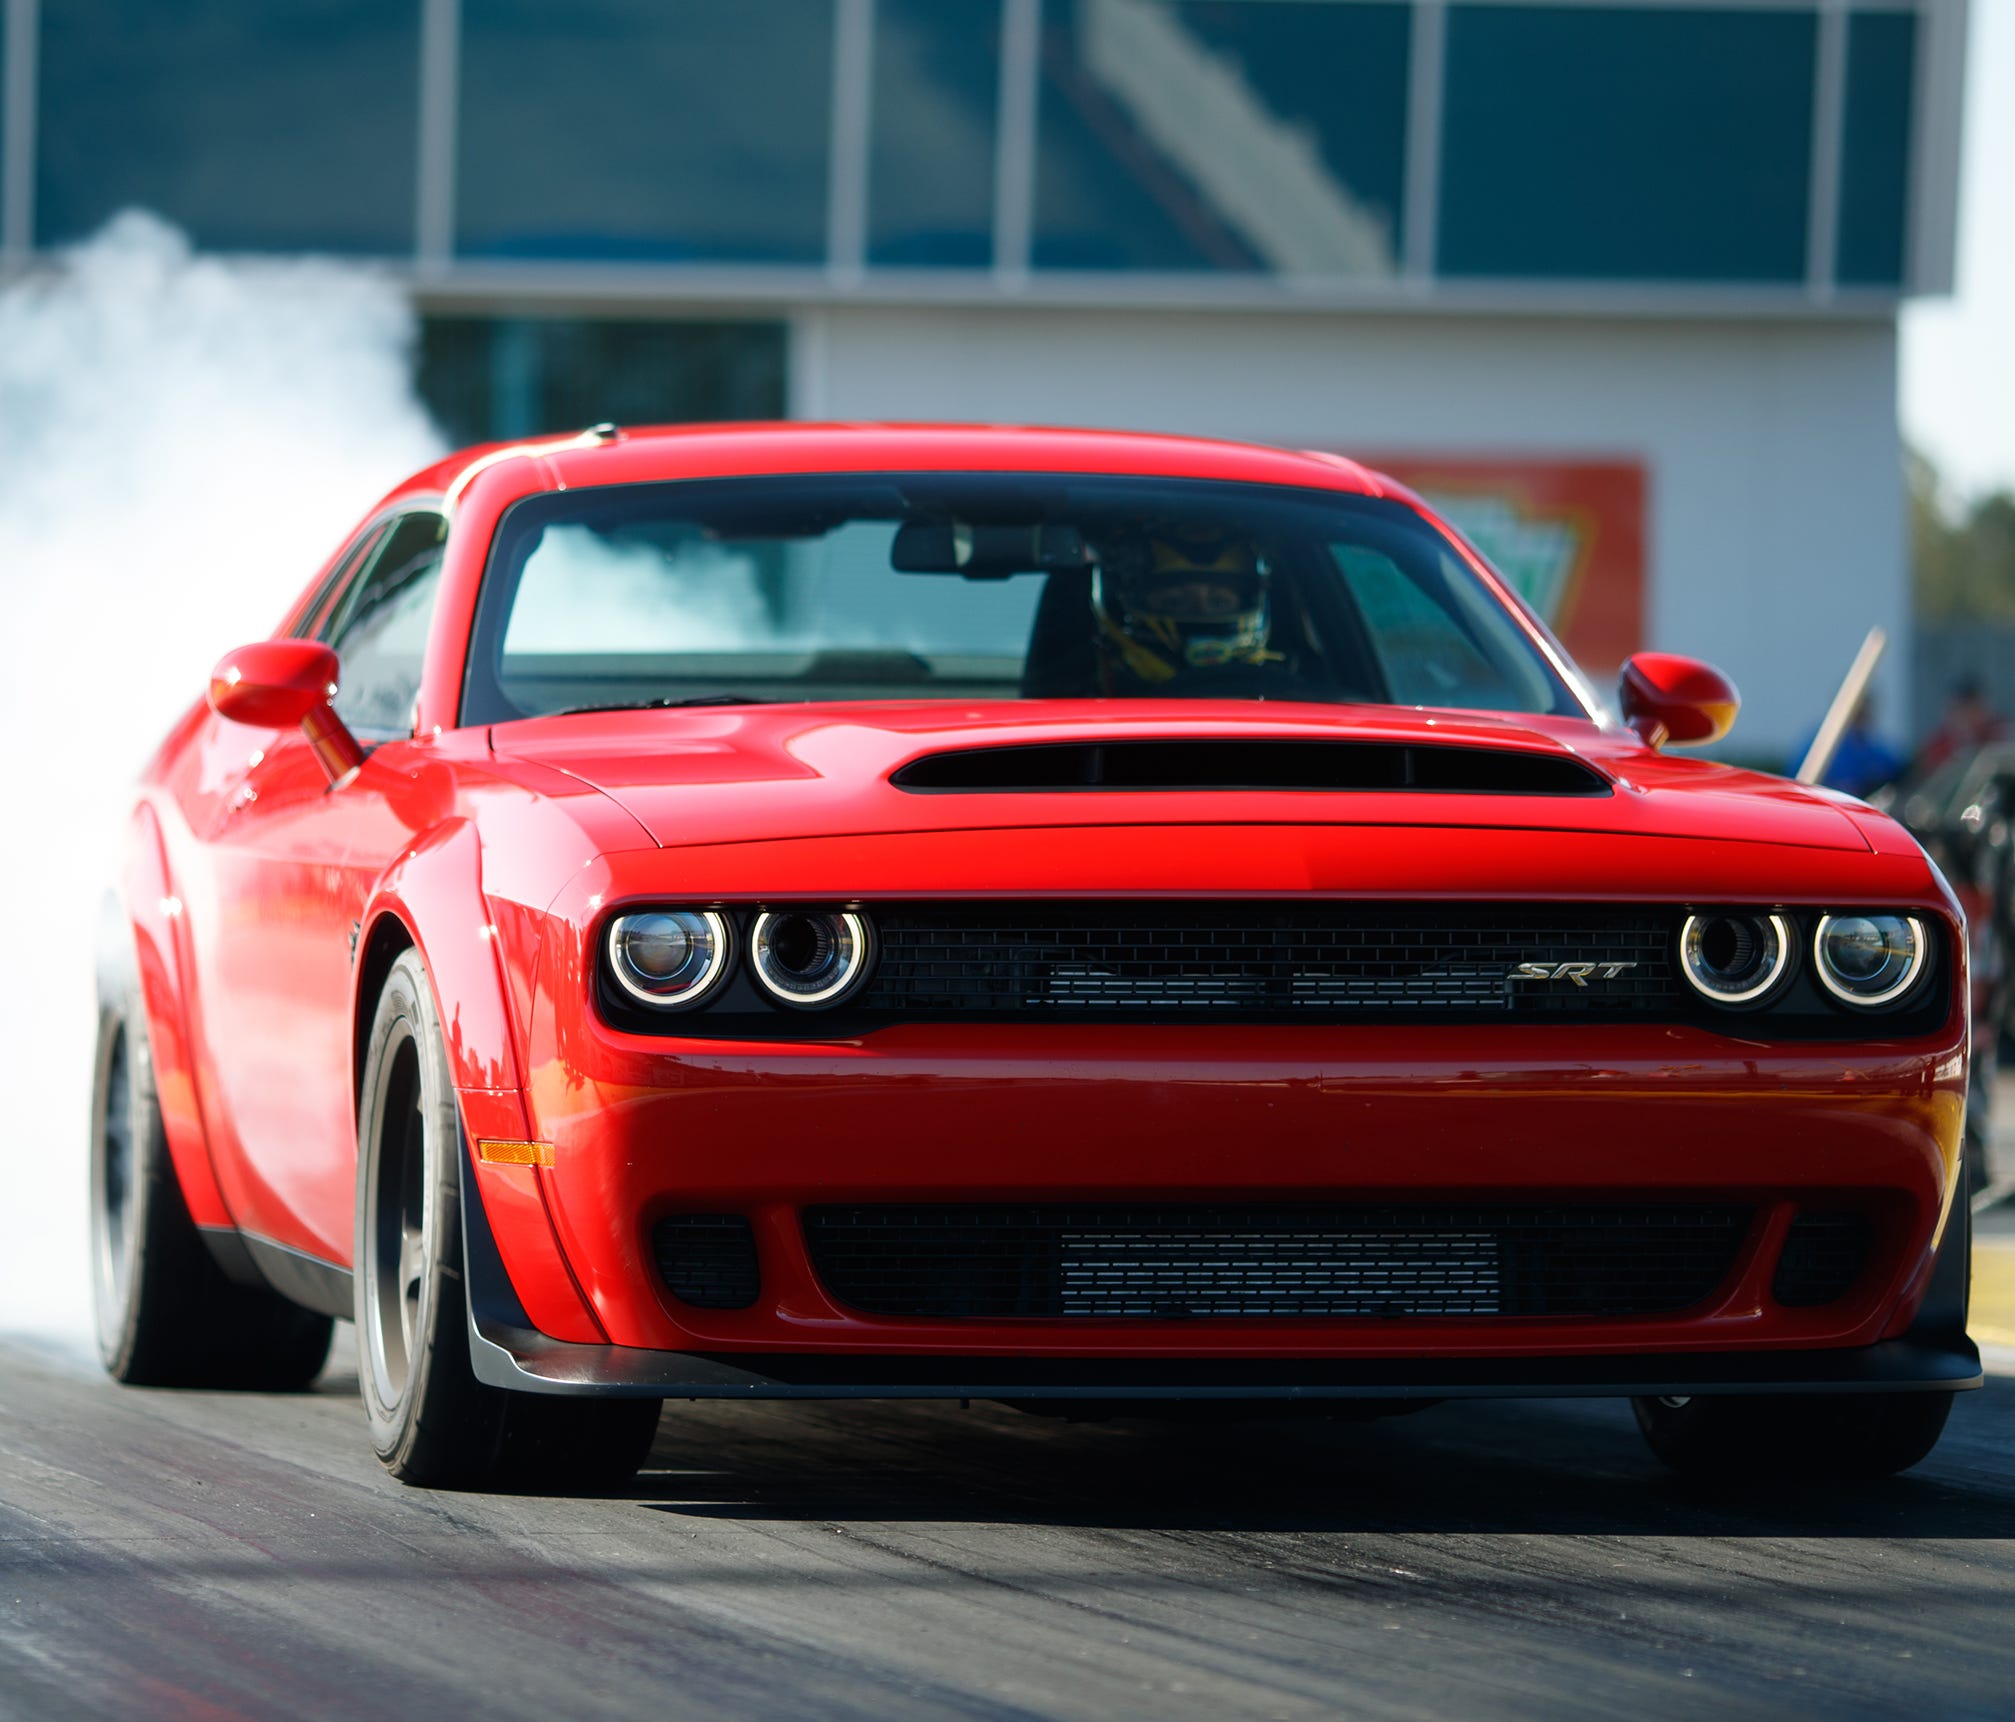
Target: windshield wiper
[[665, 705]]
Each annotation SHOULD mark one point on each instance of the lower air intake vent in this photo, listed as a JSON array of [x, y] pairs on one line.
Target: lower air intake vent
[[1824, 1254], [1290, 765], [707, 1260], [1338, 1262]]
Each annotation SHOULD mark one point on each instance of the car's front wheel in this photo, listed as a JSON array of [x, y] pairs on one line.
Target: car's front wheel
[[432, 1422], [1815, 1435]]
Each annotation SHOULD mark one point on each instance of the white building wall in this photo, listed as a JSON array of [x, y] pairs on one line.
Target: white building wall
[[1776, 530]]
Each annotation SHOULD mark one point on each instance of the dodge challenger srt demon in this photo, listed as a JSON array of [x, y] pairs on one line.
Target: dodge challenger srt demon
[[1086, 920]]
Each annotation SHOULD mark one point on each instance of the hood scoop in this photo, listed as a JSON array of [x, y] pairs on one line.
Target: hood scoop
[[1365, 766]]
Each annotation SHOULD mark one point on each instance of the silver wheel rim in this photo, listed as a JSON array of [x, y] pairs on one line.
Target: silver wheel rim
[[398, 1239], [112, 1209]]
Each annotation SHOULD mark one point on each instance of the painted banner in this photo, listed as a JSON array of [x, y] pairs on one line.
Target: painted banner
[[1568, 534]]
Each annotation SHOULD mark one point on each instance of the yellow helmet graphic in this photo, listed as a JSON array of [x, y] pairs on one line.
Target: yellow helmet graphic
[[1180, 599]]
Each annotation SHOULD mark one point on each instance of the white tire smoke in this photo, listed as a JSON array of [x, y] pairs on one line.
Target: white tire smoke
[[183, 440]]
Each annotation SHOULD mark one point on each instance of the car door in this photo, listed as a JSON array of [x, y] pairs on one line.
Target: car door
[[291, 863]]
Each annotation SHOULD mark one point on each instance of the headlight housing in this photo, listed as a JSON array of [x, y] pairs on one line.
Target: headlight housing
[[1870, 960], [810, 959], [1735, 959], [670, 959]]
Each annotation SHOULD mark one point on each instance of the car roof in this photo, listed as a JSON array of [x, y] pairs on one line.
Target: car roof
[[639, 454]]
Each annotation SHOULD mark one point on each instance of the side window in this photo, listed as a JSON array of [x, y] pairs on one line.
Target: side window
[[318, 606], [379, 626]]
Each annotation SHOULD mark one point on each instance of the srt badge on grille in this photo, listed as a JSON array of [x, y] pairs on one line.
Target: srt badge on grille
[[1579, 973]]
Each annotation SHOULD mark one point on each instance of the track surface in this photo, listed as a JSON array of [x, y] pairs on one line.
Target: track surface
[[212, 1555]]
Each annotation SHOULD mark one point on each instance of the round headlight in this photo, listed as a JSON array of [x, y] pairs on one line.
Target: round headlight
[[669, 959], [1870, 959], [810, 958], [1735, 959]]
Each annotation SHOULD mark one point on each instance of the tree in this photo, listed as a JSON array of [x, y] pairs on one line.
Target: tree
[[1962, 561]]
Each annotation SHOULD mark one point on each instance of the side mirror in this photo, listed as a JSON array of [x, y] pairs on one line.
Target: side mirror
[[1670, 699], [274, 683]]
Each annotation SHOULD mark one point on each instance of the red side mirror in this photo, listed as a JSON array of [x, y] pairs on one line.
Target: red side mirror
[[1667, 698], [274, 683]]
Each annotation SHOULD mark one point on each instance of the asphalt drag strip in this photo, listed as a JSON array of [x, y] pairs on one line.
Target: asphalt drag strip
[[226, 1555]]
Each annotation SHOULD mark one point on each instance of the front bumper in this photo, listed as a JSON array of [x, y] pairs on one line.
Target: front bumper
[[1934, 1355], [641, 1129]]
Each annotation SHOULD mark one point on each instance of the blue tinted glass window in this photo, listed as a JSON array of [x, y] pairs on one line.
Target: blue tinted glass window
[[650, 129], [1633, 143], [511, 377], [936, 98], [1875, 148], [1222, 134], [252, 124]]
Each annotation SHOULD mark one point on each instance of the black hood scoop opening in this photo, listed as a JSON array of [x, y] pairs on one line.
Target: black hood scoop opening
[[1049, 767]]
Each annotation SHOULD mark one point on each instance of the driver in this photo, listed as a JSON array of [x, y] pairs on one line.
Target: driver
[[1177, 599]]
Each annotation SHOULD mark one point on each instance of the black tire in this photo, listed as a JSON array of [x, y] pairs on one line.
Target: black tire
[[167, 1315], [1829, 1436], [432, 1422]]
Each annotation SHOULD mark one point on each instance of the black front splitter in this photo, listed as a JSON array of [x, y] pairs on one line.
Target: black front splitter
[[518, 1358]]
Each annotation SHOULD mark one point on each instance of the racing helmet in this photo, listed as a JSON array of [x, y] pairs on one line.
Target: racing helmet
[[1180, 598]]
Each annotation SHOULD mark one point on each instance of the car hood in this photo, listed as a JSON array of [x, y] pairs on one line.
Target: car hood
[[712, 775]]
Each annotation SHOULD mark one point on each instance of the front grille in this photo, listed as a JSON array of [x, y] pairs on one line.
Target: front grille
[[1371, 1262], [1321, 961], [707, 1260], [1824, 1253]]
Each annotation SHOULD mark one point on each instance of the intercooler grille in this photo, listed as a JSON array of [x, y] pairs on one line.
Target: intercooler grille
[[1075, 1261], [1312, 960]]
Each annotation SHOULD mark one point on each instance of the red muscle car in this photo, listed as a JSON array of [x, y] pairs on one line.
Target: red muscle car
[[1084, 920]]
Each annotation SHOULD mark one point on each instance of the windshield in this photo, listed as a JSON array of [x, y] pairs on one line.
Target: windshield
[[985, 586]]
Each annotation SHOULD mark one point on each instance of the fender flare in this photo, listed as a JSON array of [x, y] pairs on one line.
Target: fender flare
[[141, 955], [434, 894], [431, 898], [1941, 1316]]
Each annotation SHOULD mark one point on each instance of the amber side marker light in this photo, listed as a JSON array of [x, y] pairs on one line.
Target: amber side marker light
[[515, 1153]]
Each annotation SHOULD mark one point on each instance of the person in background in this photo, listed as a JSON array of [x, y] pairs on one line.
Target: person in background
[[1863, 762], [1970, 719]]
